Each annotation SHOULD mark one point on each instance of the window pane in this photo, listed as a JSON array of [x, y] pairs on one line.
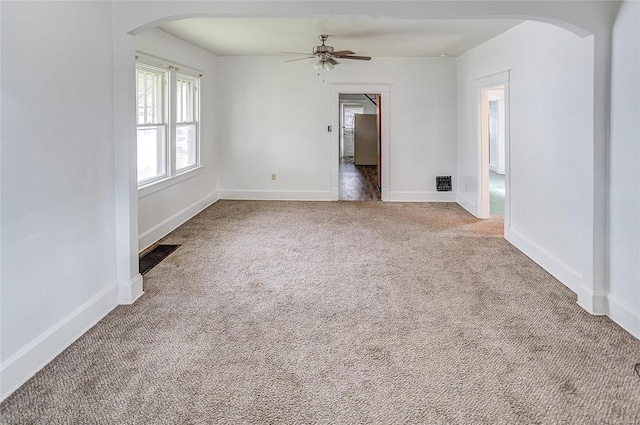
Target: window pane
[[149, 93], [186, 146], [185, 102], [151, 153]]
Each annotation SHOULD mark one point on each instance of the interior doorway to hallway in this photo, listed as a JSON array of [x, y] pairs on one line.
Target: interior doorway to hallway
[[493, 148], [497, 130], [360, 147]]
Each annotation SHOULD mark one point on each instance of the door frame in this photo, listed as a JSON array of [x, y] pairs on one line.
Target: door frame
[[384, 91], [483, 85]]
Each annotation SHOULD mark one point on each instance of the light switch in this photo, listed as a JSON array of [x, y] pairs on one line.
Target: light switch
[[329, 129]]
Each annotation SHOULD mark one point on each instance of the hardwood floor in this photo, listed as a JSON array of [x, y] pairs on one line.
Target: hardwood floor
[[358, 182]]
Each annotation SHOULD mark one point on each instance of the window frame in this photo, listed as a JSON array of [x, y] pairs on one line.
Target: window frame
[[172, 175], [164, 120], [195, 104]]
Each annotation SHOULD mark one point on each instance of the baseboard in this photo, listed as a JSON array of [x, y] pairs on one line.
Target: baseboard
[[594, 302], [162, 229], [468, 205], [554, 265], [129, 292], [20, 367], [277, 195], [408, 196], [624, 315]]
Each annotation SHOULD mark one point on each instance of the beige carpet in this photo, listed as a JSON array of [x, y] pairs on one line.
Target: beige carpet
[[341, 313]]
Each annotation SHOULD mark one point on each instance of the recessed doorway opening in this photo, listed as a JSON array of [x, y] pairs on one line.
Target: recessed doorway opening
[[359, 176], [496, 150], [493, 147]]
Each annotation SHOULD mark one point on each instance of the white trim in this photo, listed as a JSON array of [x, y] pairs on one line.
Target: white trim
[[624, 315], [491, 80], [277, 195], [129, 292], [594, 302], [21, 366], [468, 205], [162, 229], [162, 63], [167, 182], [407, 196], [554, 265]]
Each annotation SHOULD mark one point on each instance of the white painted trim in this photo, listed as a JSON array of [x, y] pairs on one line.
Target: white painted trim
[[624, 315], [468, 205], [162, 229], [491, 80], [594, 302], [168, 182], [129, 292], [277, 195], [21, 366], [555, 266], [406, 196]]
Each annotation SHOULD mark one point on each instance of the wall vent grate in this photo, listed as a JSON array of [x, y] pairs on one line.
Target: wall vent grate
[[443, 183]]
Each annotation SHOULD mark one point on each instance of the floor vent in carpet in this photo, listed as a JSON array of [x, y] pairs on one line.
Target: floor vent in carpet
[[155, 256]]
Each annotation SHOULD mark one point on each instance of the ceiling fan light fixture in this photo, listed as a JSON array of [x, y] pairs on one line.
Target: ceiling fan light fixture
[[328, 66], [318, 66]]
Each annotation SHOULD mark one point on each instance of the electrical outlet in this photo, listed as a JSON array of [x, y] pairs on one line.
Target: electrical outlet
[[273, 176]]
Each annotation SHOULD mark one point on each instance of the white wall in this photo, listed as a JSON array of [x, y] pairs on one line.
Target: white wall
[[624, 184], [550, 170], [274, 117], [161, 212], [58, 268]]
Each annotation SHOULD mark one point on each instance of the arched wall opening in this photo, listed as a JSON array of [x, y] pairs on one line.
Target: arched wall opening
[[588, 281], [106, 33]]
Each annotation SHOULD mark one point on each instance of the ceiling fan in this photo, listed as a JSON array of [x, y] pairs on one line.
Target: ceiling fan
[[327, 56]]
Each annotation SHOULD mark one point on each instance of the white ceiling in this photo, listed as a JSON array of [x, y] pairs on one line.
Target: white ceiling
[[372, 37]]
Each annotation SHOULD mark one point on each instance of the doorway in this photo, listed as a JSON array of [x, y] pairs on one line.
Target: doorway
[[496, 150], [493, 146], [382, 90], [359, 176]]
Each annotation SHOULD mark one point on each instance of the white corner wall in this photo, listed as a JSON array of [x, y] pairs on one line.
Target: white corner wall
[[163, 211], [551, 143], [58, 273], [273, 119], [624, 175]]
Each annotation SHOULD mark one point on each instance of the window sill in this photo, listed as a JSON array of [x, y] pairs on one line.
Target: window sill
[[169, 181]]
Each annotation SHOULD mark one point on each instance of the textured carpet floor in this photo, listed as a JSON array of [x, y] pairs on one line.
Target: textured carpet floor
[[341, 313]]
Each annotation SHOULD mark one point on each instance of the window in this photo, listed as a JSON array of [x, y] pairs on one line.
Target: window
[[152, 124], [186, 122], [168, 114]]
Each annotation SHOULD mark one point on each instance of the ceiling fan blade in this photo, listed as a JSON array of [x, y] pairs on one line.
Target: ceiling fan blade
[[299, 59], [342, 53], [358, 58], [295, 53], [332, 61]]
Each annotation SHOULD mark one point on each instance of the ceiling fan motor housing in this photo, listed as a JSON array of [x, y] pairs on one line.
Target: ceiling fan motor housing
[[321, 50]]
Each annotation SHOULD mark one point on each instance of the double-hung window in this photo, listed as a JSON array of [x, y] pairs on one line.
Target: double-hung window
[[168, 114], [151, 93], [186, 122]]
